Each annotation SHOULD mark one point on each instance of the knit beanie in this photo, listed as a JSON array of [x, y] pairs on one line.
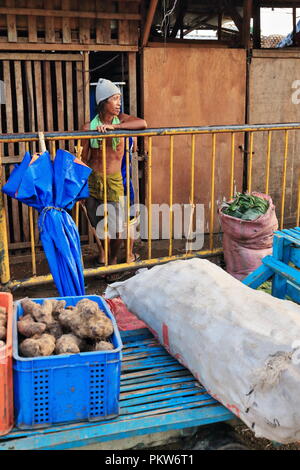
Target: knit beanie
[[105, 89]]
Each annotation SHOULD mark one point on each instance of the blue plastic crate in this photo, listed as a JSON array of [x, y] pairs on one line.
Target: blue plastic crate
[[69, 387]]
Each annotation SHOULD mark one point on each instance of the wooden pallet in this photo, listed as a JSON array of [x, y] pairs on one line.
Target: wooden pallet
[[282, 267], [157, 395]]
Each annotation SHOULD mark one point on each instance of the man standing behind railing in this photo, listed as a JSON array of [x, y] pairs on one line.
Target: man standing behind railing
[[108, 118]]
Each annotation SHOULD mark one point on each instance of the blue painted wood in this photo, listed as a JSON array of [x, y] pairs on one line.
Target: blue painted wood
[[156, 383], [190, 392], [154, 371], [293, 292], [258, 277], [122, 429], [295, 256], [172, 404], [279, 282], [153, 391], [284, 270], [165, 396], [164, 375]]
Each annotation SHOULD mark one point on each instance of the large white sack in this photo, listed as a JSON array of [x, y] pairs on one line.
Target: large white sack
[[236, 341]]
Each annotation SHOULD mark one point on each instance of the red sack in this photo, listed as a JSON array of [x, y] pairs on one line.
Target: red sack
[[246, 242], [125, 319]]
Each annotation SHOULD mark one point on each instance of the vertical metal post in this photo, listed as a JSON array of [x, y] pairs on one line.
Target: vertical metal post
[[31, 228], [232, 165], [192, 192], [78, 151], [4, 257], [250, 163], [105, 201], [149, 197], [53, 149], [298, 204], [286, 145], [212, 200], [268, 162], [171, 195], [127, 198]]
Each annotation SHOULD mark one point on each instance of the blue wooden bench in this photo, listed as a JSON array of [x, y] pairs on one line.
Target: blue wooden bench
[[282, 267], [157, 395]]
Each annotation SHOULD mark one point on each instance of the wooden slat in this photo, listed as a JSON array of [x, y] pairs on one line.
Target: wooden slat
[[60, 100], [80, 94], [86, 100], [69, 98], [85, 24], [14, 218], [123, 32], [39, 96], [8, 103], [3, 178], [11, 22], [66, 24], [11, 28], [113, 46], [86, 86], [42, 57], [30, 101], [32, 29], [50, 30], [32, 24], [20, 104], [68, 14], [20, 114], [48, 92], [103, 27], [84, 31]]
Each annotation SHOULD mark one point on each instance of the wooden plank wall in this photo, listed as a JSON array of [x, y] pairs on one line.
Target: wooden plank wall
[[39, 96], [182, 97], [71, 22], [272, 76]]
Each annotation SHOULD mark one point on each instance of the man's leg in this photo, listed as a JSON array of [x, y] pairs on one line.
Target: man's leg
[[91, 207], [115, 246]]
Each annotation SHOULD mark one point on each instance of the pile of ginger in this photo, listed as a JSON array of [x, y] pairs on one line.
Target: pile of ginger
[[3, 324], [53, 329]]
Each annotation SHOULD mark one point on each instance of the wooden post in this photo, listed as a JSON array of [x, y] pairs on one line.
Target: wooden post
[[86, 86], [149, 20], [248, 4], [256, 25]]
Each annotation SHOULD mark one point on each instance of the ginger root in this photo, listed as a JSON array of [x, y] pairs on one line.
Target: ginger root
[[103, 346], [41, 313], [3, 323], [68, 344], [55, 329], [43, 345], [28, 327], [87, 320]]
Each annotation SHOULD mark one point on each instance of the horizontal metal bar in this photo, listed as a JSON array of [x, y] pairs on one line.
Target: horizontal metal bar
[[22, 137], [37, 280]]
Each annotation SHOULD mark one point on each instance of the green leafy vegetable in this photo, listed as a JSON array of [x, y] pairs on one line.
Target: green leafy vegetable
[[246, 207]]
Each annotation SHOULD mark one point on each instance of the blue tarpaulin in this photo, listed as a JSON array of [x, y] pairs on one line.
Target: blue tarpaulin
[[53, 188]]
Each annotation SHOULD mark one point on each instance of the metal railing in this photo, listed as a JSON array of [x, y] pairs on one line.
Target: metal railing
[[53, 137]]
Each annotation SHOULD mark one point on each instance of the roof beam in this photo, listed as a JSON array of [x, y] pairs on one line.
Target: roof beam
[[236, 17], [149, 20]]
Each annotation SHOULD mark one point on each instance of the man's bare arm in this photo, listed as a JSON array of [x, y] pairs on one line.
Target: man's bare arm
[[127, 122], [130, 122]]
